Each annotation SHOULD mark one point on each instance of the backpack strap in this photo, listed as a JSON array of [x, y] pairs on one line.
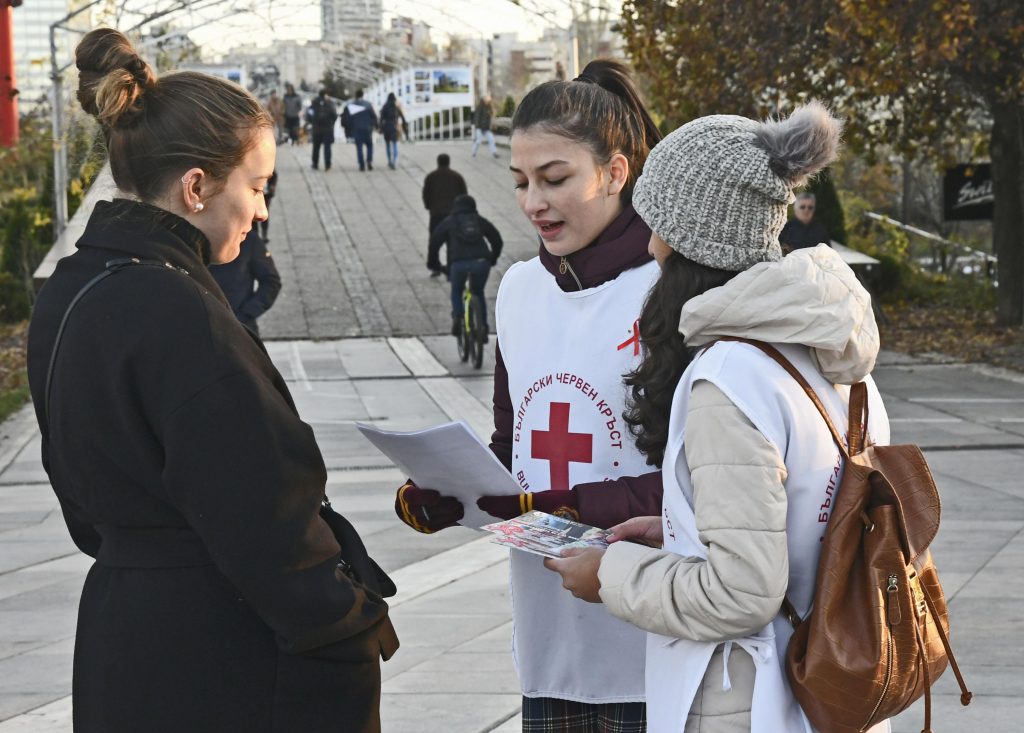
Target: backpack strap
[[858, 400], [112, 267]]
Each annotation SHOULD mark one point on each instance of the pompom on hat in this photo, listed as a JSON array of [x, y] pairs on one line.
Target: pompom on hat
[[716, 189]]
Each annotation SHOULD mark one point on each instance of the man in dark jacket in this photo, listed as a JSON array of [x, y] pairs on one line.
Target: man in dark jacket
[[467, 235], [360, 117], [803, 231], [440, 188], [324, 114], [250, 282]]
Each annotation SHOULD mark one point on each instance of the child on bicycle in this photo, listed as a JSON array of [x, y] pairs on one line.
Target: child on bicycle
[[474, 246], [567, 333]]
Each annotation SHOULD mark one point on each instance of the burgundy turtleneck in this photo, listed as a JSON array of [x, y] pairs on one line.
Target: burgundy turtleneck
[[621, 246]]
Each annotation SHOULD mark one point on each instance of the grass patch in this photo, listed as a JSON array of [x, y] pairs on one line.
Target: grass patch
[[13, 376]]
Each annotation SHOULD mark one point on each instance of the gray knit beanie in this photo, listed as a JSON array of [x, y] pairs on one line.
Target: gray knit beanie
[[716, 189]]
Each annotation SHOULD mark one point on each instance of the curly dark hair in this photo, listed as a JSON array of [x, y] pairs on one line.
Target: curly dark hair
[[665, 353]]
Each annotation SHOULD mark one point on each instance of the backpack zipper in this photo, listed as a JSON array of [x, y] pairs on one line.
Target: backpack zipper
[[893, 612], [564, 267]]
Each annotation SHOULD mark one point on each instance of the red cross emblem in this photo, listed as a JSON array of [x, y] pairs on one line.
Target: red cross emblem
[[634, 339], [559, 446]]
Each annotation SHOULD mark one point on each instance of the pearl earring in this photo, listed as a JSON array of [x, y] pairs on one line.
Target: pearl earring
[[197, 208]]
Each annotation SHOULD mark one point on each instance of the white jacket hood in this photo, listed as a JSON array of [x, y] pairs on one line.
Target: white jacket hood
[[810, 297]]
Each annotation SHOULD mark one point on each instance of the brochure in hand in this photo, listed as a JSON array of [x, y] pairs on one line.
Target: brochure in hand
[[545, 534]]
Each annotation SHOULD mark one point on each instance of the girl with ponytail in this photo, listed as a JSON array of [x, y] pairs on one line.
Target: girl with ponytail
[[750, 467], [218, 600], [567, 324]]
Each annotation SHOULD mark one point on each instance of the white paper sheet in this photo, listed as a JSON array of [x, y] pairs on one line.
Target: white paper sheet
[[449, 458]]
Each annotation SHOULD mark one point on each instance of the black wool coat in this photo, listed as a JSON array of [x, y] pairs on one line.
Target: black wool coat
[[218, 600]]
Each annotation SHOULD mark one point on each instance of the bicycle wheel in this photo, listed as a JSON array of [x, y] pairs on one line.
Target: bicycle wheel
[[462, 341], [476, 332]]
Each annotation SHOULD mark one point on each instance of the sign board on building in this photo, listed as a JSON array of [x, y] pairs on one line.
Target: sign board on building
[[967, 192], [425, 89]]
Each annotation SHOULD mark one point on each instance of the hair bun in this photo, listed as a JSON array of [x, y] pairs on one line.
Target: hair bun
[[112, 77]]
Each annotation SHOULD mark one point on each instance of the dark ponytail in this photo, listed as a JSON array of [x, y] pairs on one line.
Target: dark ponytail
[[665, 354], [601, 109]]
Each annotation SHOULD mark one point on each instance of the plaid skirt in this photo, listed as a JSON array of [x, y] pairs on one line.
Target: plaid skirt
[[550, 715]]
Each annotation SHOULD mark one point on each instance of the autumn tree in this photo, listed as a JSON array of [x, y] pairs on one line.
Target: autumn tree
[[914, 75]]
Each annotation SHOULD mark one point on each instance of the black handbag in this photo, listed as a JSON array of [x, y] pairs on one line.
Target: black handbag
[[355, 560]]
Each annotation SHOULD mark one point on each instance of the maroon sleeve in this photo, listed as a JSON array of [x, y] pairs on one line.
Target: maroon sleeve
[[607, 503], [501, 439]]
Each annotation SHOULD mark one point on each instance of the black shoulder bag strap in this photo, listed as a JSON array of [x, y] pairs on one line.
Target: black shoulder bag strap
[[112, 267]]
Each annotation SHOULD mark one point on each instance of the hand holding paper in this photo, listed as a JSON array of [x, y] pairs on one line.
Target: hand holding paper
[[449, 459]]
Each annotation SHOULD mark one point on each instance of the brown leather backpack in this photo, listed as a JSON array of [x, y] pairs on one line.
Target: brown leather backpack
[[876, 638]]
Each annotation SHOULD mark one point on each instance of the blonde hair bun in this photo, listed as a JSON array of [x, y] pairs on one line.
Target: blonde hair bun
[[113, 78]]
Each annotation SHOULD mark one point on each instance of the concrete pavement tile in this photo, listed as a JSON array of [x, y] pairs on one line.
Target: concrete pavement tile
[[405, 659], [968, 499], [26, 468], [987, 631], [445, 630], [46, 670], [1001, 470], [22, 554], [61, 570], [498, 639], [983, 680], [460, 674], [995, 581], [1011, 557], [52, 717], [460, 713], [986, 714], [371, 357], [40, 623], [19, 703], [399, 404], [512, 725]]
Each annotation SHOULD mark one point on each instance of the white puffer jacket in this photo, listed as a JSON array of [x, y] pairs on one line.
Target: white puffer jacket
[[811, 298]]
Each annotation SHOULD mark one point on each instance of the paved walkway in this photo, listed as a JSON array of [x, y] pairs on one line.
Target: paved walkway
[[453, 672]]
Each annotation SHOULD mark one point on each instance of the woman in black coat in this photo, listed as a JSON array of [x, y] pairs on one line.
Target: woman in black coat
[[220, 599]]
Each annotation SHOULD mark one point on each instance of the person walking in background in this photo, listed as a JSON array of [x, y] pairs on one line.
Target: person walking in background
[[391, 122], [440, 188], [474, 246], [482, 118], [324, 114], [292, 113], [250, 282], [275, 106], [360, 117], [747, 458], [269, 191], [803, 231], [577, 149], [221, 598]]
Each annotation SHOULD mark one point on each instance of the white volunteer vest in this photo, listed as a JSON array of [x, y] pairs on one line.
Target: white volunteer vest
[[782, 412], [566, 355]]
